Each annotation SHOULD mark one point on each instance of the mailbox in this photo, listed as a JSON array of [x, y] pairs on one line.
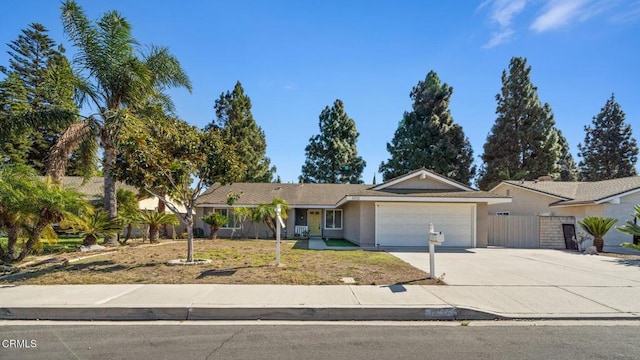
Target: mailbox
[[436, 238]]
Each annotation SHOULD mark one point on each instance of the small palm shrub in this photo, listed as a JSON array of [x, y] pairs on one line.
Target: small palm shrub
[[154, 220], [597, 227], [93, 225], [215, 220]]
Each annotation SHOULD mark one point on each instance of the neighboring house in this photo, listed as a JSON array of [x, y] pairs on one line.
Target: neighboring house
[[395, 213], [609, 198]]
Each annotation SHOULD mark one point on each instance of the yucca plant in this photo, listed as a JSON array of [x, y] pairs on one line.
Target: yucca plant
[[215, 220], [154, 220], [597, 227]]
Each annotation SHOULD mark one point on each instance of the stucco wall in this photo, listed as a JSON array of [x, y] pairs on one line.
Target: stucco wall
[[622, 212], [482, 225], [524, 202], [367, 224], [351, 221]]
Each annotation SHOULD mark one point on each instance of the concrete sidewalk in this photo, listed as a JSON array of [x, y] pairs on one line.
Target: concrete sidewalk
[[331, 302]]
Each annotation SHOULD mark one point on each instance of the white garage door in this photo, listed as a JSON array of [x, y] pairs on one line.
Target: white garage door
[[406, 224]]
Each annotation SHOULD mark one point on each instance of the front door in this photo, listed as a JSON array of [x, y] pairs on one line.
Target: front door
[[313, 222]]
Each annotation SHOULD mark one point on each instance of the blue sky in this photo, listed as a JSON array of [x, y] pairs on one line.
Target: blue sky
[[296, 57]]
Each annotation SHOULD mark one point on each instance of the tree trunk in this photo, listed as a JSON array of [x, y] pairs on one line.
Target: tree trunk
[[189, 222], [110, 202], [154, 232], [33, 239], [13, 233], [598, 242], [89, 240], [164, 233], [214, 233]]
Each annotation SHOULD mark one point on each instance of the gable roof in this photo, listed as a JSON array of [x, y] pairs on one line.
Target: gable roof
[[580, 193], [93, 187], [334, 195], [252, 194], [423, 173]]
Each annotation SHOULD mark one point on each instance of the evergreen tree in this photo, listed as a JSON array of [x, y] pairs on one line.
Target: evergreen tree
[[38, 66], [428, 137], [239, 129], [609, 149], [332, 155], [523, 142], [566, 164]]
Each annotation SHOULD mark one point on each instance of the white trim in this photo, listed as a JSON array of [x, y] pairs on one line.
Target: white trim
[[423, 199], [341, 219], [422, 174], [310, 206], [474, 225]]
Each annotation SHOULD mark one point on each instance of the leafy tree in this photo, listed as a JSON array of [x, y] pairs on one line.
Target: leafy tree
[[201, 159], [523, 140], [332, 155], [609, 149], [215, 220], [119, 83], [428, 137], [239, 129], [566, 164], [39, 80], [155, 220], [128, 212]]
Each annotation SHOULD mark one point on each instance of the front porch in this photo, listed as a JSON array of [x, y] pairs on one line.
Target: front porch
[[308, 223]]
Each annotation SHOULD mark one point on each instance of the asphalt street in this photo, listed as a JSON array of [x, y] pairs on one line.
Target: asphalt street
[[604, 340]]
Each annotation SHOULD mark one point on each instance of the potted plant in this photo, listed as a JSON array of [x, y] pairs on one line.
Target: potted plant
[[597, 227]]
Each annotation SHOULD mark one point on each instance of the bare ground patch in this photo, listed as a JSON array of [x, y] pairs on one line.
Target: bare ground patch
[[234, 262]]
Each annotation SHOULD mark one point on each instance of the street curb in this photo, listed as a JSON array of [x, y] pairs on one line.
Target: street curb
[[418, 313]]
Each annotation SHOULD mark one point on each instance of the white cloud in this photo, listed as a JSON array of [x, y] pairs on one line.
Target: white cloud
[[502, 13], [558, 13]]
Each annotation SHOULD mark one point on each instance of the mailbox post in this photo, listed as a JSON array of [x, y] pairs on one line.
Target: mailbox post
[[279, 225], [435, 238]]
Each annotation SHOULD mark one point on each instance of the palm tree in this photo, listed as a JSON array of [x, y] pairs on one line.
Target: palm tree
[[154, 220], [241, 214], [119, 84], [631, 228], [215, 220], [93, 224], [598, 228]]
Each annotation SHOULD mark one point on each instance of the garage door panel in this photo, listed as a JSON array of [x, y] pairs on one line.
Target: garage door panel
[[406, 224]]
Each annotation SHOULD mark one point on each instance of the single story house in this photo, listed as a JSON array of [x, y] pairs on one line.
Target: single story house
[[609, 198], [394, 213]]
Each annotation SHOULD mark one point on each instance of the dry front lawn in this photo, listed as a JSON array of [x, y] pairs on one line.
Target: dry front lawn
[[234, 262]]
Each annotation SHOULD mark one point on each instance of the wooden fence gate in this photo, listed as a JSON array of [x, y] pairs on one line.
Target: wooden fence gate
[[514, 231]]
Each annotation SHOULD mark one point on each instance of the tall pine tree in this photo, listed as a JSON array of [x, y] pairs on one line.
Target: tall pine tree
[[427, 136], [37, 65], [332, 155], [239, 129], [523, 142], [609, 149], [566, 164]]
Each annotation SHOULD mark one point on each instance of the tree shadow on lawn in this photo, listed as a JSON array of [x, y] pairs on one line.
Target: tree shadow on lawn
[[97, 267], [227, 272]]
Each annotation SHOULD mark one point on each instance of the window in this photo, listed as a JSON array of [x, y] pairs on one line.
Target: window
[[233, 220], [503, 213], [333, 219]]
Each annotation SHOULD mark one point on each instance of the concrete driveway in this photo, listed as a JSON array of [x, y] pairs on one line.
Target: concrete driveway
[[532, 267], [534, 283]]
